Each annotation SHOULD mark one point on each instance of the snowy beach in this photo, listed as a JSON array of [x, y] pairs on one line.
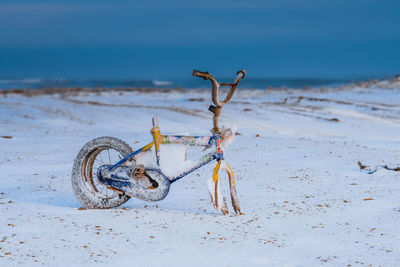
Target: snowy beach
[[305, 200]]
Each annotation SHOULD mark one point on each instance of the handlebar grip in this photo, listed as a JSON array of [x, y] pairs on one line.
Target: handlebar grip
[[204, 75], [240, 74]]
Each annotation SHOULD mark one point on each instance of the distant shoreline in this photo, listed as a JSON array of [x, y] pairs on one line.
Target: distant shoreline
[[393, 83]]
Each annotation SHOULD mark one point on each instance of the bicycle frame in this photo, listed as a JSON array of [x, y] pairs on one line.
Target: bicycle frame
[[191, 141]]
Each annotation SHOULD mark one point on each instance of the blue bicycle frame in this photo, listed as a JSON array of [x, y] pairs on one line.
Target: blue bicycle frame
[[198, 141]]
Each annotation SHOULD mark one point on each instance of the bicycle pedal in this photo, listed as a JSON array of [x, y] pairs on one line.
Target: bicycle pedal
[[137, 172]]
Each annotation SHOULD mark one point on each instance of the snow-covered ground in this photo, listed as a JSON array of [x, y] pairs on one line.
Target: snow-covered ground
[[306, 203]]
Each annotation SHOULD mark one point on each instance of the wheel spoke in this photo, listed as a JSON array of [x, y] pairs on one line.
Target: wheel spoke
[[96, 161], [100, 161]]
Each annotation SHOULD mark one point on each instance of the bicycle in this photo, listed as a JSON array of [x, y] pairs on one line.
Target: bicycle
[[110, 182]]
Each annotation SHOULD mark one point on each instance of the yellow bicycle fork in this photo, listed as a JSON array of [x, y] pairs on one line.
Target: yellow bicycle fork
[[220, 203]]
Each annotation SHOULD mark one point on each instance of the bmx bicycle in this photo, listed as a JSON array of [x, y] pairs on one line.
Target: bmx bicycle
[[107, 172]]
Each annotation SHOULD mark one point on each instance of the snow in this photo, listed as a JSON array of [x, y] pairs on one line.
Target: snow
[[171, 166], [306, 203]]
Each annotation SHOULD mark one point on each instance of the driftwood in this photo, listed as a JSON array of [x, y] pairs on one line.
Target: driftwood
[[369, 170]]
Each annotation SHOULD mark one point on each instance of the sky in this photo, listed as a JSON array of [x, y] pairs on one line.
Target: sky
[[168, 39]]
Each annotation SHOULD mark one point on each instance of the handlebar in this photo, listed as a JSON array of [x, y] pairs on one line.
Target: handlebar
[[206, 76], [219, 104]]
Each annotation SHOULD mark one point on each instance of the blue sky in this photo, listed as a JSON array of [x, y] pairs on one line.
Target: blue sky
[[167, 39]]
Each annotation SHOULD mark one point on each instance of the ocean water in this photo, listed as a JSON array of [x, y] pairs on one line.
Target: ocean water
[[193, 83], [161, 66]]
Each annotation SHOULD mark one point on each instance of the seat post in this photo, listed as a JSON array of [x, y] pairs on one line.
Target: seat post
[[157, 137]]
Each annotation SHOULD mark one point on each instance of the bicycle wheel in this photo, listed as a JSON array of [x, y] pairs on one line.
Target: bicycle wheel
[[90, 192]]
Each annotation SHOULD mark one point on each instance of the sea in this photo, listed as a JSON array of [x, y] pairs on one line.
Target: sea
[[192, 83]]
